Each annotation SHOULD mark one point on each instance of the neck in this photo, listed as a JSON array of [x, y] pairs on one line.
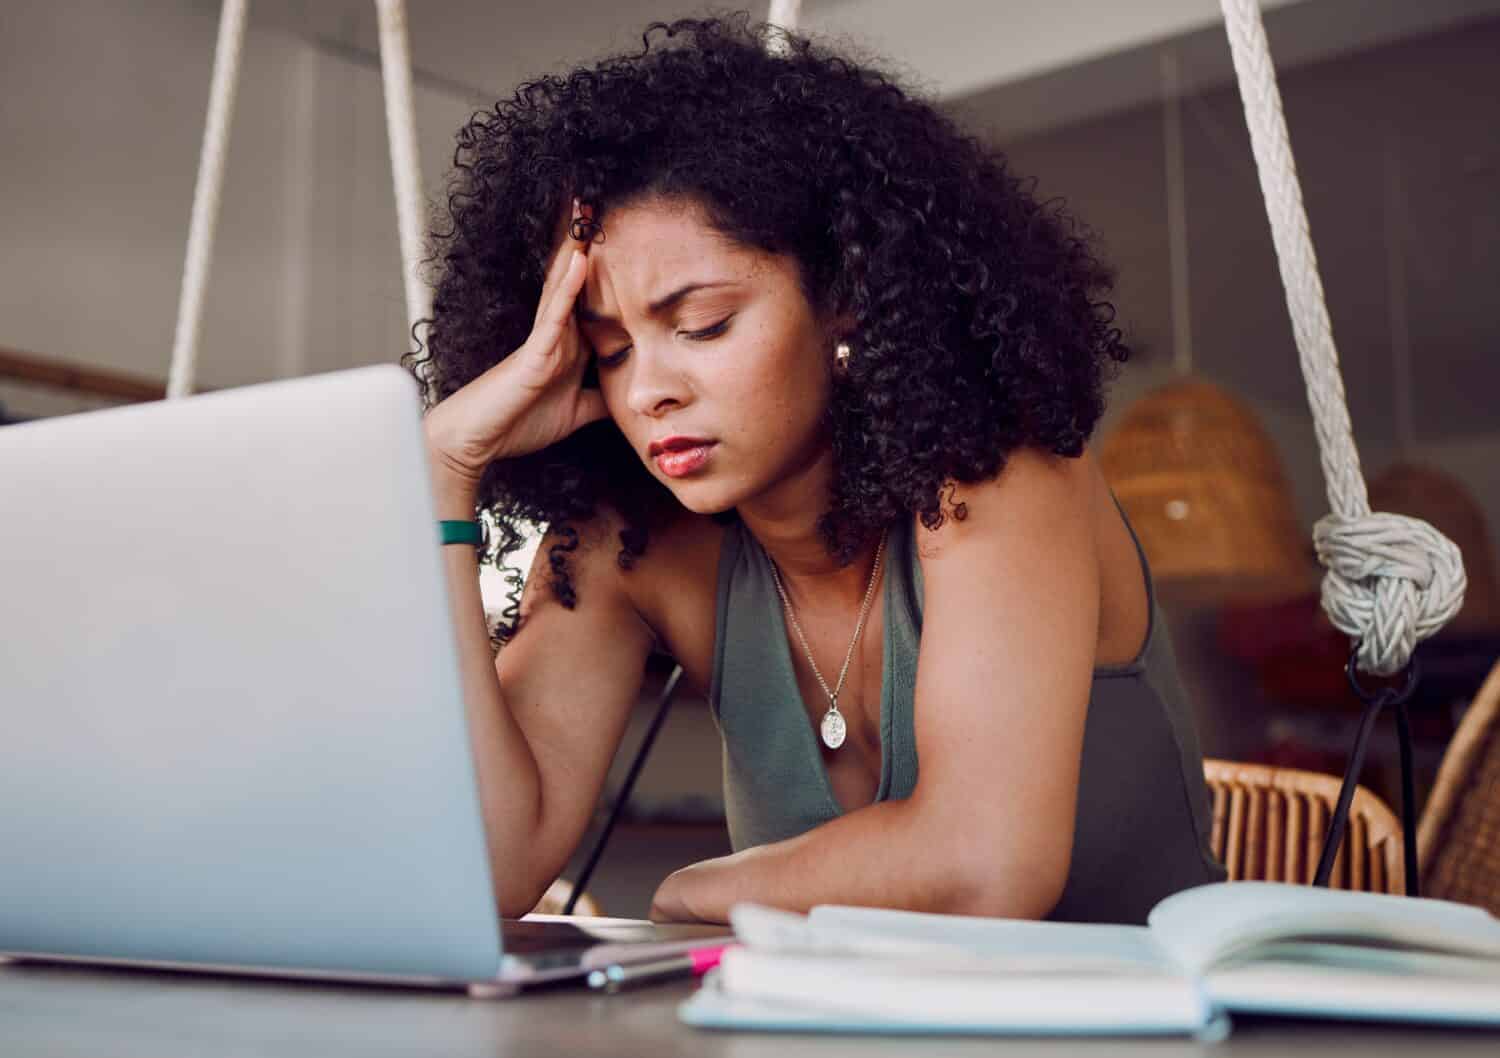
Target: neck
[[784, 521]]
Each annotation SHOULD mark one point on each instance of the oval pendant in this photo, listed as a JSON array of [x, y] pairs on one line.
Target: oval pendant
[[833, 729]]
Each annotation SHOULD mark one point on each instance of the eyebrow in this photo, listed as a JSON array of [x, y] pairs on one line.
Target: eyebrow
[[656, 308]]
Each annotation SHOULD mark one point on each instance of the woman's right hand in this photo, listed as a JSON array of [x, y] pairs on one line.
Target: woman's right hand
[[529, 400]]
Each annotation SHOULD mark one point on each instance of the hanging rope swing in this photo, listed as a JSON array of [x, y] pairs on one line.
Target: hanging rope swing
[[406, 174], [205, 218], [406, 171], [1391, 581]]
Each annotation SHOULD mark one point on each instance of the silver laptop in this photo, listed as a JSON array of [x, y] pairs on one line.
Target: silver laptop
[[231, 729]]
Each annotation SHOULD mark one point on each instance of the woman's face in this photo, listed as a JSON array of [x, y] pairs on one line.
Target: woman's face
[[711, 360]]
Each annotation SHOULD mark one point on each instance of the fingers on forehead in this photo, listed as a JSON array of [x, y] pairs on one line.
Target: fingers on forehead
[[569, 210], [565, 235]]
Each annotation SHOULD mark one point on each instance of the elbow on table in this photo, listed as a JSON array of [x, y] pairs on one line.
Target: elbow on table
[[516, 895], [994, 881], [510, 907]]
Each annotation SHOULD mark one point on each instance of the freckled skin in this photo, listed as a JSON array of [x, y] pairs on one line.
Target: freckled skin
[[760, 388]]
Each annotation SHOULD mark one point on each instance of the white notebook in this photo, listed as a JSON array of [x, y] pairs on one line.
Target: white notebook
[[1207, 952]]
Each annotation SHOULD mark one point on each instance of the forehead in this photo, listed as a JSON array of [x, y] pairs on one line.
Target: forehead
[[651, 246], [657, 220]]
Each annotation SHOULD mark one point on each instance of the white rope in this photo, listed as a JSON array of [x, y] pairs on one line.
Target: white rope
[[1391, 580], [784, 14], [206, 194], [406, 171]]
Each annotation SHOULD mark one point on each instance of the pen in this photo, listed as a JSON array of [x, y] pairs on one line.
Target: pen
[[616, 976]]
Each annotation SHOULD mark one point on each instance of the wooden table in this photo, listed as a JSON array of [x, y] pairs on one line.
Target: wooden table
[[65, 1010]]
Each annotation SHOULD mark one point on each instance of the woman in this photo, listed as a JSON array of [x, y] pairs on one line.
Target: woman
[[801, 380]]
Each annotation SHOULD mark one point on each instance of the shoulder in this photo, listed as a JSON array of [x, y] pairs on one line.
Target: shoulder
[[596, 553], [670, 588], [1016, 561], [1038, 502]]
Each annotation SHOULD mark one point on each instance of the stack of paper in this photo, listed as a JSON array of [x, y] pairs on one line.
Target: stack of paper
[[1244, 946]]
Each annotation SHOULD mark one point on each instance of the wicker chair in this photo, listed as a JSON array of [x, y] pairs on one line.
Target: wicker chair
[[1458, 838], [1269, 823]]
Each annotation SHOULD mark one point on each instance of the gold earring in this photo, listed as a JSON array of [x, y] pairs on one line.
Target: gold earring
[[841, 354]]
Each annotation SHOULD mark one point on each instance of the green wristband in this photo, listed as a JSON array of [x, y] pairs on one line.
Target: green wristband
[[455, 532]]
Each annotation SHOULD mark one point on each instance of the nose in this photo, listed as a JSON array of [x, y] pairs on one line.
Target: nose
[[656, 383]]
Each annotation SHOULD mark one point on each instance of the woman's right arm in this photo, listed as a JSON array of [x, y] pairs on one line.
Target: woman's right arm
[[546, 716]]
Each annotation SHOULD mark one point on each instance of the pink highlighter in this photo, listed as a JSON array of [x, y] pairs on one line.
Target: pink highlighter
[[627, 975]]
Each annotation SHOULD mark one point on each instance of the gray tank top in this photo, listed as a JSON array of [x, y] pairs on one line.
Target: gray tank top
[[1142, 826]]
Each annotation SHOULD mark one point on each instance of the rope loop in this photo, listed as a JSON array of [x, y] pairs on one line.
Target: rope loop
[[1391, 581], [1380, 697]]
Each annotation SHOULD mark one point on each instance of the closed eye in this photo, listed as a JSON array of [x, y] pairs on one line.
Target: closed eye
[[611, 359], [710, 332], [617, 357]]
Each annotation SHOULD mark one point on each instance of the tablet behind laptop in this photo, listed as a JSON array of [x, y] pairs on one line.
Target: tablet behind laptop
[[234, 735]]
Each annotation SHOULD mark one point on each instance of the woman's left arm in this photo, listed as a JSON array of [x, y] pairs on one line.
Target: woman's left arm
[[1009, 635]]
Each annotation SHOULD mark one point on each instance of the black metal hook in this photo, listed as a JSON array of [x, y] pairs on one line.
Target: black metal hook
[[1375, 700], [1386, 695]]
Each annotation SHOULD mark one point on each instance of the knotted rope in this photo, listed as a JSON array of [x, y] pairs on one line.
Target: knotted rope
[[1390, 580]]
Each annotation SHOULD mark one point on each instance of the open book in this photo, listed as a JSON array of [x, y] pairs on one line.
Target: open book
[[1260, 947]]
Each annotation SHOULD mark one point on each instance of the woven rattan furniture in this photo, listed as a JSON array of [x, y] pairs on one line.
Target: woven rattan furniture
[[1268, 825], [1204, 488], [1458, 838]]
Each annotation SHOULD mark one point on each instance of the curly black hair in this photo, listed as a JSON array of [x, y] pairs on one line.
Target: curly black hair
[[980, 313]]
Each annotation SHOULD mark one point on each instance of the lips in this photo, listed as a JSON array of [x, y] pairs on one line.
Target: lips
[[680, 456]]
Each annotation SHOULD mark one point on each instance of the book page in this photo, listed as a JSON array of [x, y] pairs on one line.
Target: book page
[[1021, 945], [1361, 984], [1210, 924]]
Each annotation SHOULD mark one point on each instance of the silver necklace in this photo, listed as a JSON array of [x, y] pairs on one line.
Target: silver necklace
[[833, 728]]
